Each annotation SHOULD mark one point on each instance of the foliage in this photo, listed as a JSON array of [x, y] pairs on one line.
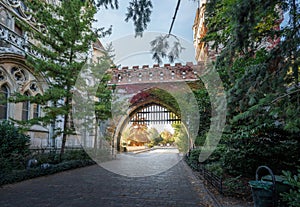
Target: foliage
[[236, 186], [139, 11], [41, 158], [180, 137], [14, 147], [161, 48], [293, 197], [104, 93], [75, 155], [167, 137], [21, 175], [153, 133], [215, 167], [157, 140], [204, 108], [259, 67], [112, 3], [275, 149], [63, 47], [192, 158]]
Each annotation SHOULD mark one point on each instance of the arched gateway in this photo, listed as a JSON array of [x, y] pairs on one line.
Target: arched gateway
[[145, 89]]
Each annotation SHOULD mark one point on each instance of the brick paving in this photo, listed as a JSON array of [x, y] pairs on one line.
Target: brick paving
[[95, 186]]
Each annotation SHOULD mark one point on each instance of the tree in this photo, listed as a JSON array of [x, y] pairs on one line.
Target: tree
[[167, 136], [181, 137], [63, 46], [259, 65], [153, 133]]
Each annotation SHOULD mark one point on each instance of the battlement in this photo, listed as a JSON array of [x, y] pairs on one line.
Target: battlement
[[157, 73]]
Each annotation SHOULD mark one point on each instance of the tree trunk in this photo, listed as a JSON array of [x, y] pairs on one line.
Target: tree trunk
[[64, 138], [96, 134]]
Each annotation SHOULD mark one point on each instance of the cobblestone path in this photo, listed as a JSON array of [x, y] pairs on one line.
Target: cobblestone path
[[95, 186]]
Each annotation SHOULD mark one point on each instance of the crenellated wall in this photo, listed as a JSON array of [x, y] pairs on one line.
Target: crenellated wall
[[157, 74]]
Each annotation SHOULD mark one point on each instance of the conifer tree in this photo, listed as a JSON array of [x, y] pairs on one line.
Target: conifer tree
[[63, 45]]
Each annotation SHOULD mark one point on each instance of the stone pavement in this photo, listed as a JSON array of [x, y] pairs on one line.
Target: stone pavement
[[95, 186]]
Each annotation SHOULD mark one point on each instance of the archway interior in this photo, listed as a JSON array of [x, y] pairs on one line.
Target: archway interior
[[155, 120], [150, 125]]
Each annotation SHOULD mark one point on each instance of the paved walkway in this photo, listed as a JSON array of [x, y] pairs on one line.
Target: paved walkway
[[95, 186]]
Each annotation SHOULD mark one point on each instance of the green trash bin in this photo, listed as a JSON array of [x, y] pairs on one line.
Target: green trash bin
[[263, 192], [280, 186]]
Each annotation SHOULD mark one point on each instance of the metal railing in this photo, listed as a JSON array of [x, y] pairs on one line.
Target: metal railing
[[212, 178]]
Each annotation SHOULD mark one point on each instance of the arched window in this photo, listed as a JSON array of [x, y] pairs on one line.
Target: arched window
[[4, 94], [26, 109], [5, 17]]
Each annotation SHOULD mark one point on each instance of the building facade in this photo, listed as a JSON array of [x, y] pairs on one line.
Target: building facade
[[17, 77], [202, 50]]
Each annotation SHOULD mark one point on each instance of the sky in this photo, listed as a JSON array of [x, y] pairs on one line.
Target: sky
[[161, 18]]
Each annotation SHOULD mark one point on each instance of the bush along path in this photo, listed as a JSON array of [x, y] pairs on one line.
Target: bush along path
[[18, 162], [20, 175]]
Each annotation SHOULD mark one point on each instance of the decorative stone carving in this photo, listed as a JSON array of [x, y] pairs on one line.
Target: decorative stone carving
[[18, 74], [2, 76], [33, 87], [20, 9]]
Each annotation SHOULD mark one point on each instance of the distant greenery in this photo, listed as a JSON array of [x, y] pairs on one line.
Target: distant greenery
[[180, 137]]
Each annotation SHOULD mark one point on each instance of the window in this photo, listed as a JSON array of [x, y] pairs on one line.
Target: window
[[4, 93], [36, 110], [5, 17], [25, 109], [18, 30]]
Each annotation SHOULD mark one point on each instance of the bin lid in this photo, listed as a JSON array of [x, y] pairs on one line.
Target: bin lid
[[278, 178], [261, 184]]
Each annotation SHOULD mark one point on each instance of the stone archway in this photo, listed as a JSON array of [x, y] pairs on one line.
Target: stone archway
[[134, 108]]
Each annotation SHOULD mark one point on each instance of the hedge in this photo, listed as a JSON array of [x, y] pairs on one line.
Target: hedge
[[17, 176]]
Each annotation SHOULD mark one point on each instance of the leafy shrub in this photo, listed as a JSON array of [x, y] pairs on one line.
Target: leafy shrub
[[292, 197], [216, 155], [215, 167], [237, 187], [275, 149], [51, 158], [14, 147], [75, 155], [193, 157], [20, 175]]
